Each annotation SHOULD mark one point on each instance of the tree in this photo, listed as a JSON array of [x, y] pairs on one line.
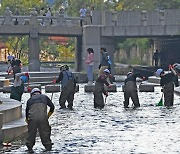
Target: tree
[[147, 4], [22, 6]]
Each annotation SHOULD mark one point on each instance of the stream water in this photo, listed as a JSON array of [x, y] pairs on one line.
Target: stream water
[[112, 130]]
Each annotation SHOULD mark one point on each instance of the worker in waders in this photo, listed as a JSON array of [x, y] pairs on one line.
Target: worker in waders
[[168, 80], [18, 87], [130, 89], [68, 85], [37, 119], [99, 89]]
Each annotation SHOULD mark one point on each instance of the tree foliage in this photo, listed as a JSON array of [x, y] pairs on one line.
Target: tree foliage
[[147, 4], [21, 6]]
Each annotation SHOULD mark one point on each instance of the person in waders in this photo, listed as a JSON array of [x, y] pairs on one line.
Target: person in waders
[[130, 89], [37, 119], [18, 87], [99, 89], [68, 85], [167, 81]]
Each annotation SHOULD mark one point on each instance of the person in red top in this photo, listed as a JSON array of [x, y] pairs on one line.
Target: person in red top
[[90, 61], [99, 89]]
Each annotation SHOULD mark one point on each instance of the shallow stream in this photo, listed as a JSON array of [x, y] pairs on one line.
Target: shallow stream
[[113, 130]]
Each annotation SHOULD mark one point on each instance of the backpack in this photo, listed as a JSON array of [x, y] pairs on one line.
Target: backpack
[[109, 61]]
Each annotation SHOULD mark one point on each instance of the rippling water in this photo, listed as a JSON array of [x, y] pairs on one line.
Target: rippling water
[[113, 130]]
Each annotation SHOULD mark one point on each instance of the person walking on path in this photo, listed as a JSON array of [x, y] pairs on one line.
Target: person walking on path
[[68, 85], [156, 56], [37, 119], [104, 61], [99, 89], [82, 13], [167, 81], [130, 89], [18, 87], [90, 61]]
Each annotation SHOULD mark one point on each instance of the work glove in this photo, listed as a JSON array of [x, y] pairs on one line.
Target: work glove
[[29, 89], [144, 78], [54, 81], [106, 93], [26, 74], [49, 114]]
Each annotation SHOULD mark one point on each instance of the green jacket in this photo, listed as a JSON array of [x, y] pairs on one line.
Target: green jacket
[[16, 92]]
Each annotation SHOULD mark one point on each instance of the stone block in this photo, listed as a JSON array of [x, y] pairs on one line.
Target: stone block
[[146, 88], [90, 88], [1, 124], [1, 120], [52, 88], [35, 86], [80, 77], [4, 82], [7, 89], [56, 88], [154, 79]]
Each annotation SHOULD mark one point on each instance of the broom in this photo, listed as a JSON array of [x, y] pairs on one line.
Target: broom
[[160, 103]]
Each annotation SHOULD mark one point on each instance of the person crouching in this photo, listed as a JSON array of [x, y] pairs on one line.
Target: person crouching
[[18, 87], [99, 89]]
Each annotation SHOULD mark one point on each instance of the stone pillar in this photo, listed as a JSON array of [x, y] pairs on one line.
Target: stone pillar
[[34, 49], [78, 54], [92, 39], [7, 16], [1, 133]]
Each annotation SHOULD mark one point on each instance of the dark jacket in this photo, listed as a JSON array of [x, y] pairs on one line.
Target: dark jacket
[[133, 77], [36, 107], [64, 77], [167, 78]]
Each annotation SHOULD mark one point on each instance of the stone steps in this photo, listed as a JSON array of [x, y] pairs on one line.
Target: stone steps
[[14, 129], [43, 77], [12, 119], [11, 109]]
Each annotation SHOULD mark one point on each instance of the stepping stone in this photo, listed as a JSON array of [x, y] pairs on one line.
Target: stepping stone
[[56, 88], [90, 88], [146, 88]]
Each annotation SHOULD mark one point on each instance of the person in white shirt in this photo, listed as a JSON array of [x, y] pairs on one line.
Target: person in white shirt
[[82, 12]]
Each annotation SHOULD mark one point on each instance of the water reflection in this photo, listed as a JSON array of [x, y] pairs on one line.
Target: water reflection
[[149, 129]]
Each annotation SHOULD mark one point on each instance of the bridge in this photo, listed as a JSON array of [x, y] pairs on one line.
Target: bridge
[[99, 32]]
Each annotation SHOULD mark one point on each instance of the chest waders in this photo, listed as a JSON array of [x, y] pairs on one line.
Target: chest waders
[[67, 93]]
